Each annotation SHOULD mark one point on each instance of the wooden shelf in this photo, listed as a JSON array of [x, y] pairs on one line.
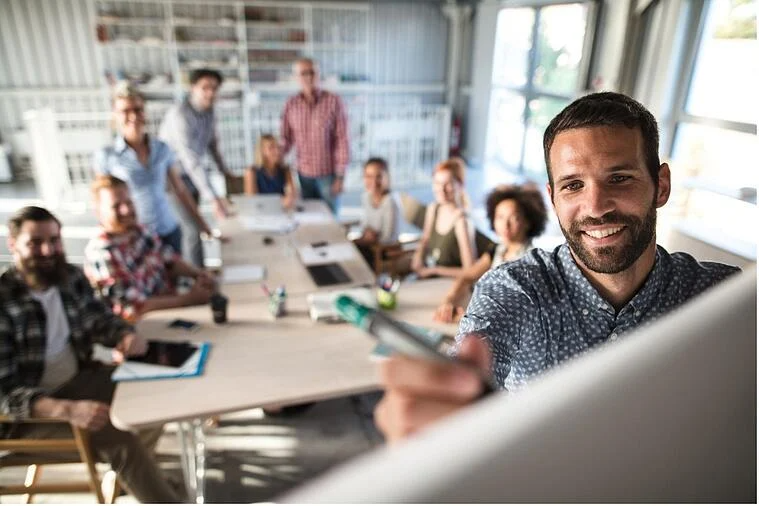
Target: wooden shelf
[[134, 43], [207, 45], [277, 45], [131, 21], [275, 24]]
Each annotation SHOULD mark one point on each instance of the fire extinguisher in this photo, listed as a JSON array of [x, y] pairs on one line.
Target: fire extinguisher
[[455, 142]]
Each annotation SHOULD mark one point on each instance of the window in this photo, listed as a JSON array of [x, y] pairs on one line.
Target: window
[[714, 150], [539, 65]]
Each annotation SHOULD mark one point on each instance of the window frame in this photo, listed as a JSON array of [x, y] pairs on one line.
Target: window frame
[[530, 91]]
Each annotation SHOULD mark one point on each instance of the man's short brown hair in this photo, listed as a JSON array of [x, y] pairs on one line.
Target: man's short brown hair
[[105, 181], [29, 213]]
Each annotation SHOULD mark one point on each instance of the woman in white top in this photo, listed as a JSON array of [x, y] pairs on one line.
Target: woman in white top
[[380, 210], [517, 215]]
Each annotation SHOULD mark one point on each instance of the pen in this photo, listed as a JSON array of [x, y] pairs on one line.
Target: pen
[[390, 332]]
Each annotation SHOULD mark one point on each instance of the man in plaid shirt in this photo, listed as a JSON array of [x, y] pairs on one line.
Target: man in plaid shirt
[[314, 121], [129, 266], [49, 320]]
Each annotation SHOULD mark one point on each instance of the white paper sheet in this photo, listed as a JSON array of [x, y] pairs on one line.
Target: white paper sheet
[[268, 223], [312, 218], [247, 273], [331, 253]]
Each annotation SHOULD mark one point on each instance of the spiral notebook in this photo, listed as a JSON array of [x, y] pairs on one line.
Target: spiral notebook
[[165, 359]]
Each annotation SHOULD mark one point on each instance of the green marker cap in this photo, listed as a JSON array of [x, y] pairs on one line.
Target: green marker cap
[[352, 311]]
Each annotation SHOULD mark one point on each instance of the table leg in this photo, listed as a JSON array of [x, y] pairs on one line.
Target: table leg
[[200, 460], [193, 458]]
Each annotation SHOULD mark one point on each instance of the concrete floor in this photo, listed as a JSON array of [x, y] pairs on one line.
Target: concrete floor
[[250, 457]]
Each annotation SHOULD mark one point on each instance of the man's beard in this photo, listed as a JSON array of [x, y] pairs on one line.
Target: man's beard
[[45, 271], [617, 258], [123, 225]]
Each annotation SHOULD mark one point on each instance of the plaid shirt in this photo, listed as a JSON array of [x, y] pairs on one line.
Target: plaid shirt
[[23, 339], [319, 132], [127, 269]]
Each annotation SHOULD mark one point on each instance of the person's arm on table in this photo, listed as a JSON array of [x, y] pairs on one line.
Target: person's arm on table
[[451, 309], [249, 184]]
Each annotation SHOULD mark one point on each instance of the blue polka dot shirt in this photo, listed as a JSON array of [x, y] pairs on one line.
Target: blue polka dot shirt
[[540, 310]]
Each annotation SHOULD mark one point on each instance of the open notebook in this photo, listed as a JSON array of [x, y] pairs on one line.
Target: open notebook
[[165, 359]]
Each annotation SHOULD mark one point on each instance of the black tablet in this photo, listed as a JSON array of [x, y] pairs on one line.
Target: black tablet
[[166, 353]]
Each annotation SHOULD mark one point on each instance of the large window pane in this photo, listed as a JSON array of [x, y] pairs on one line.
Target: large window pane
[[725, 81], [505, 128], [542, 111], [725, 157], [561, 34], [513, 39]]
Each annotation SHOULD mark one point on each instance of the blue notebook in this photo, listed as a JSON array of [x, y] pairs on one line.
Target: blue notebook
[[165, 359]]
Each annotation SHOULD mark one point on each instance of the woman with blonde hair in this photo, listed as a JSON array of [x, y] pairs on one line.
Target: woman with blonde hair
[[447, 245], [269, 175]]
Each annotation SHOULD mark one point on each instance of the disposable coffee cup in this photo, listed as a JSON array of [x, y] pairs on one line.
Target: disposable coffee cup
[[219, 308]]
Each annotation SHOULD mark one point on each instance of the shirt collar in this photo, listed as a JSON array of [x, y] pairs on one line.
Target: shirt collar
[[318, 92], [584, 294], [646, 297], [120, 144]]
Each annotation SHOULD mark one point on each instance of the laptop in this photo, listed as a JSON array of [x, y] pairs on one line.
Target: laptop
[[328, 274]]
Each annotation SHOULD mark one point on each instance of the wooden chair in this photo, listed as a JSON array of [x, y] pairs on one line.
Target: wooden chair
[[35, 453]]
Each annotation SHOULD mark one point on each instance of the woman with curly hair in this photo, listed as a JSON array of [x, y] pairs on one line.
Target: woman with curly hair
[[517, 215]]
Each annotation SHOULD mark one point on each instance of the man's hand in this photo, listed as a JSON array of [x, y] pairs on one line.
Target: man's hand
[[426, 272], [370, 236], [131, 345], [448, 312], [288, 202], [199, 293], [90, 415], [420, 392], [337, 186], [206, 279], [220, 209]]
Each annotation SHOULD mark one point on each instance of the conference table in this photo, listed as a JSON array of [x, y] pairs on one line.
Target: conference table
[[255, 359]]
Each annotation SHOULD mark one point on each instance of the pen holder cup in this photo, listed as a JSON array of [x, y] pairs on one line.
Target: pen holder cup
[[277, 306], [386, 299]]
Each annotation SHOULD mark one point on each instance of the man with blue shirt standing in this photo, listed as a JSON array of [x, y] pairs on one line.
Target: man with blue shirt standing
[[606, 182], [147, 165], [190, 129]]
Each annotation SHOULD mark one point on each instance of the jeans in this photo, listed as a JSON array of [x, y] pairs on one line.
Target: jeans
[[174, 239], [319, 188], [191, 246]]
